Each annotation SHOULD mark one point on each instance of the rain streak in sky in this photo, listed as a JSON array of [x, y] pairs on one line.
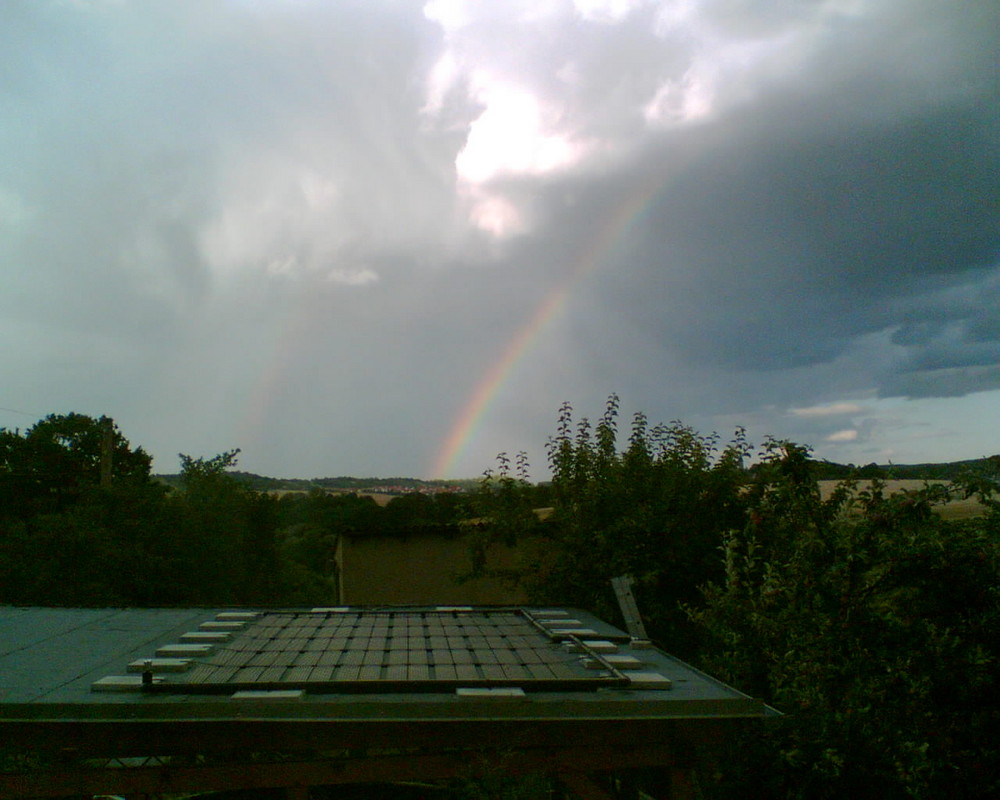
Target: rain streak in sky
[[390, 238]]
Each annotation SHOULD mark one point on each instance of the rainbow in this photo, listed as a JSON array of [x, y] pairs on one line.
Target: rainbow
[[289, 327], [605, 241]]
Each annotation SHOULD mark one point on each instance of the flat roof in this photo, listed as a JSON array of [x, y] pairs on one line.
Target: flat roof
[[337, 661], [546, 683], [348, 693]]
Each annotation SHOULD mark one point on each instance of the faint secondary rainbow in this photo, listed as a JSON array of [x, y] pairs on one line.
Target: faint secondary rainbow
[[606, 239], [290, 326]]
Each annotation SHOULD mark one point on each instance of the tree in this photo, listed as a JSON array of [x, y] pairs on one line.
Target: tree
[[871, 624], [78, 513], [231, 528], [60, 458], [656, 510]]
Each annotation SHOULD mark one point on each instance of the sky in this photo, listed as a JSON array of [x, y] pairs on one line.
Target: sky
[[393, 237]]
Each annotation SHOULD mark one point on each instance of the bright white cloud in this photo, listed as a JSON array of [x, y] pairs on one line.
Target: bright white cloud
[[538, 102], [494, 213], [831, 410], [356, 277], [512, 137], [847, 435], [681, 101], [449, 14], [605, 10]]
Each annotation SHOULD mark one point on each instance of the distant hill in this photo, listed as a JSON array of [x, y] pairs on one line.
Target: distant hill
[[824, 470], [829, 470], [263, 483]]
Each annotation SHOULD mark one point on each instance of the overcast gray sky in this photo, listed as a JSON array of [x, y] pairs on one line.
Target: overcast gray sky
[[391, 237]]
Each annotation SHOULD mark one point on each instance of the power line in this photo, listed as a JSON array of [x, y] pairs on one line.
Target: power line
[[36, 415]]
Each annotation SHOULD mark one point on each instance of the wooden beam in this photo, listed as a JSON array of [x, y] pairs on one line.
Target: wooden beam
[[122, 738], [571, 763], [584, 787]]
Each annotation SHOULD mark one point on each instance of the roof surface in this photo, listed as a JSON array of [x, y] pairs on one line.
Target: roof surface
[[344, 663]]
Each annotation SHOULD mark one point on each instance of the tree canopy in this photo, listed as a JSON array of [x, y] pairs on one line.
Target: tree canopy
[[83, 523], [59, 458], [872, 624]]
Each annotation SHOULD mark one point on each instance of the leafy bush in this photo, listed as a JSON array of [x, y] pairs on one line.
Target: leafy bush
[[867, 620]]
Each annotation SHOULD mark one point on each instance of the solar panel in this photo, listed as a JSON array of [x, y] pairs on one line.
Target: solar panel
[[344, 650]]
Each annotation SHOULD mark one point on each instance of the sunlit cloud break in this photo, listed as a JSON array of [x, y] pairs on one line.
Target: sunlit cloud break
[[831, 410]]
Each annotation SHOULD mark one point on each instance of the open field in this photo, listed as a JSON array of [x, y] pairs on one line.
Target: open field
[[380, 498], [956, 509]]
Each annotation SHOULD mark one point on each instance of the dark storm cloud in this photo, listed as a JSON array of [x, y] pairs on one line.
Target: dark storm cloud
[[825, 211], [784, 248], [950, 341]]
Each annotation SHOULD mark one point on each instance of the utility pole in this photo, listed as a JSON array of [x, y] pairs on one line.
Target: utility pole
[[107, 450]]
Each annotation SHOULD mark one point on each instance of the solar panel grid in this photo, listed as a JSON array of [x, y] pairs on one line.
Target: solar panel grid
[[298, 674], [272, 674], [492, 672], [225, 674], [397, 647], [329, 659], [227, 657], [540, 672], [199, 673]]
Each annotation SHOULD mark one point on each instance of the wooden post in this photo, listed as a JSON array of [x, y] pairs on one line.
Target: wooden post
[[107, 450]]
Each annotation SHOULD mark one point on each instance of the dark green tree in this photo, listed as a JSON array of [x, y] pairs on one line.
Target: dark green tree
[[656, 510], [79, 515], [871, 624], [58, 459], [229, 530]]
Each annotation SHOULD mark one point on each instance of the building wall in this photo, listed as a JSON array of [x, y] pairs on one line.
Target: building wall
[[420, 567]]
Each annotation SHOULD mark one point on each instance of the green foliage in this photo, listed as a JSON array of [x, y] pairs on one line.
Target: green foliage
[[873, 625], [209, 537], [418, 510], [656, 510], [56, 461], [504, 512], [981, 480], [66, 539]]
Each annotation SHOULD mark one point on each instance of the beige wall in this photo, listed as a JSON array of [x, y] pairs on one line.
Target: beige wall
[[418, 568]]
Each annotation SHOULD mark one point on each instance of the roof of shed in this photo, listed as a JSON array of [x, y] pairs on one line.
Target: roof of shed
[[348, 663]]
